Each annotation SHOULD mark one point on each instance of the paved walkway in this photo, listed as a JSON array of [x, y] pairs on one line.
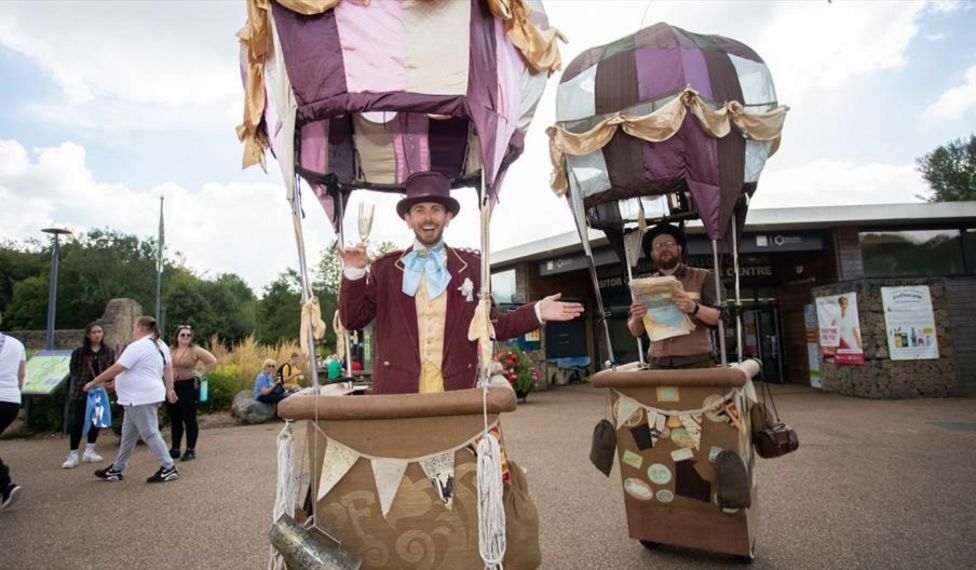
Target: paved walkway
[[875, 484]]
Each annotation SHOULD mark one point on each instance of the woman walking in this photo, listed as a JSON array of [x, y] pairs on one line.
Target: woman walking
[[190, 363], [13, 367], [144, 378], [87, 361]]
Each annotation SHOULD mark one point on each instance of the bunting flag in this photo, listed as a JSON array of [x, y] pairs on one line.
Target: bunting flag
[[717, 408], [655, 424], [440, 470], [692, 424], [388, 473], [338, 460], [625, 408]]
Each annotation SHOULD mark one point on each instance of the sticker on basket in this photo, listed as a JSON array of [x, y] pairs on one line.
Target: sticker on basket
[[632, 459], [659, 474], [715, 408], [665, 496], [638, 489], [682, 454], [682, 438], [713, 453], [674, 422], [668, 394]]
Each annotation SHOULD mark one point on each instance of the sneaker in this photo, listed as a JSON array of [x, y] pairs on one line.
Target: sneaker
[[174, 454], [189, 455], [109, 474], [164, 474], [91, 456], [72, 460], [10, 496]]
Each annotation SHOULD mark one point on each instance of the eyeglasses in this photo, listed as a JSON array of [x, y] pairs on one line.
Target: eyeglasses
[[665, 245], [185, 335]]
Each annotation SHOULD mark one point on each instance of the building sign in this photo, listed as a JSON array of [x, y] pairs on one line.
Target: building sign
[[46, 371], [840, 329], [909, 323]]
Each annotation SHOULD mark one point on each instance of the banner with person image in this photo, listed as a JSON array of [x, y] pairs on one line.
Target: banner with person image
[[840, 329]]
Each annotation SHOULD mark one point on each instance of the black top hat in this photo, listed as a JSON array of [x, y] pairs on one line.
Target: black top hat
[[428, 187], [664, 228]]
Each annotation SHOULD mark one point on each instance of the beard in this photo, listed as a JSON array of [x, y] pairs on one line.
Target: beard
[[668, 263], [429, 238]]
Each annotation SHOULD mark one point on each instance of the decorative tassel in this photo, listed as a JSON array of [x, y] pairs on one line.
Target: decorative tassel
[[491, 510], [285, 488]]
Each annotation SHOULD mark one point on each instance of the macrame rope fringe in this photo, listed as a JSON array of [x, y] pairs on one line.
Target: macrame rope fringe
[[491, 511], [285, 487]]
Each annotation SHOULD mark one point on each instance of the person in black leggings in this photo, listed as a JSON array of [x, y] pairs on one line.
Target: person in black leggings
[[87, 361], [190, 363], [13, 369]]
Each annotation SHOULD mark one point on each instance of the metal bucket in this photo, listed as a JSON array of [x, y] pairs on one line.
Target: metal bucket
[[303, 549]]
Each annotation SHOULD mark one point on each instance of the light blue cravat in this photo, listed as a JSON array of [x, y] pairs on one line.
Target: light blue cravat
[[430, 263]]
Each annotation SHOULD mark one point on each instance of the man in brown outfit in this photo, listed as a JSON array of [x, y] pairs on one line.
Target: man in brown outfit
[[424, 298], [665, 244]]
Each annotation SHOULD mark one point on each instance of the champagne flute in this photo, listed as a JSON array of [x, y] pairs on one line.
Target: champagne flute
[[365, 221]]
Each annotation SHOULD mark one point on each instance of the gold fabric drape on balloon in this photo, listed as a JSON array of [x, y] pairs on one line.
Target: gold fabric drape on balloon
[[538, 47], [659, 126]]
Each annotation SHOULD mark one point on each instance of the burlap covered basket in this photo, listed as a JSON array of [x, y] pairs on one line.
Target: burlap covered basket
[[419, 531]]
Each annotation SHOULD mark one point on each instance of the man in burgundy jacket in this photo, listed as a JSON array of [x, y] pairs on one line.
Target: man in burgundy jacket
[[423, 300]]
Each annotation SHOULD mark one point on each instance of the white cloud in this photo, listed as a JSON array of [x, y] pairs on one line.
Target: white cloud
[[178, 61], [957, 101], [220, 228], [839, 183], [936, 37]]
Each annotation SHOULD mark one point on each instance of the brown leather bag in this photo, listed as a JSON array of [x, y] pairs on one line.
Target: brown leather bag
[[770, 436]]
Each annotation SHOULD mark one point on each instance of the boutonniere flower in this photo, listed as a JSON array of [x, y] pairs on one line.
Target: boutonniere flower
[[467, 289]]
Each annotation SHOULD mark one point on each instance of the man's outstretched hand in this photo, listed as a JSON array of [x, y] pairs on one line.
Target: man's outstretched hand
[[552, 309]]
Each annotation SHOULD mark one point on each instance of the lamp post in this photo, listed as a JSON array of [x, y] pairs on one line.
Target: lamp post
[[53, 287]]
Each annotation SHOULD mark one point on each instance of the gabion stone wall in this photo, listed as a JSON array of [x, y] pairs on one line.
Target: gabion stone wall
[[880, 377]]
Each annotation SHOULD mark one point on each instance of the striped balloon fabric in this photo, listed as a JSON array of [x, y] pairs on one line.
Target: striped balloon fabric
[[623, 127], [364, 94]]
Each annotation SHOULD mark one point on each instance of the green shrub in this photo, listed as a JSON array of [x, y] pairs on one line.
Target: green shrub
[[224, 382]]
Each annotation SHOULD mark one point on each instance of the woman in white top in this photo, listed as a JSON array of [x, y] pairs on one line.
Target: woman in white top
[[143, 379], [13, 368]]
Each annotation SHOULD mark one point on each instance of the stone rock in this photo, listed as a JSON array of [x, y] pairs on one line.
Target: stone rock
[[117, 321], [250, 411]]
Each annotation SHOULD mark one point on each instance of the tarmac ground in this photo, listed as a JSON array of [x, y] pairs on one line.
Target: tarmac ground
[[875, 484]]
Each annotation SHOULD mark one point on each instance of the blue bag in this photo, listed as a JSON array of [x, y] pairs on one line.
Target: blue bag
[[98, 414]]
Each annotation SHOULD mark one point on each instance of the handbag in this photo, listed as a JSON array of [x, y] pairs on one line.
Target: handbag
[[770, 436]]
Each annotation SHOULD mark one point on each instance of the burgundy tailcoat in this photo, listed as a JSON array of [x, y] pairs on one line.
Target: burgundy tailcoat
[[379, 295]]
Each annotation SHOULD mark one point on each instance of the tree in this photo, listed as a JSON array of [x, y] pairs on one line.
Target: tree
[[28, 305], [951, 171], [279, 310]]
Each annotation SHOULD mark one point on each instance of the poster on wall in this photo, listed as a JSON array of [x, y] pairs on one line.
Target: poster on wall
[[909, 323], [813, 349], [840, 329]]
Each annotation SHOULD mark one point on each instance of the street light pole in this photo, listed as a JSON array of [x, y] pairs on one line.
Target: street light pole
[[53, 286]]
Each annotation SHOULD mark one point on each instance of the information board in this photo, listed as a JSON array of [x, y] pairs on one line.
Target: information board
[[46, 370]]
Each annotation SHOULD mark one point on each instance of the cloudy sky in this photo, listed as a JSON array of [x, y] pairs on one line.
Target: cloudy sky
[[105, 106]]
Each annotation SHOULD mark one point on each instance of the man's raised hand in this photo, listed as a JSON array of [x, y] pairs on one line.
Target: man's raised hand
[[354, 256]]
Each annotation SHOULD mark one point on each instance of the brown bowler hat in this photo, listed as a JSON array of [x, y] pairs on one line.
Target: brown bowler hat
[[428, 187]]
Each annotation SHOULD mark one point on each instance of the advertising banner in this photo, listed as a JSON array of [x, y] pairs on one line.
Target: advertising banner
[[909, 323], [840, 329]]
